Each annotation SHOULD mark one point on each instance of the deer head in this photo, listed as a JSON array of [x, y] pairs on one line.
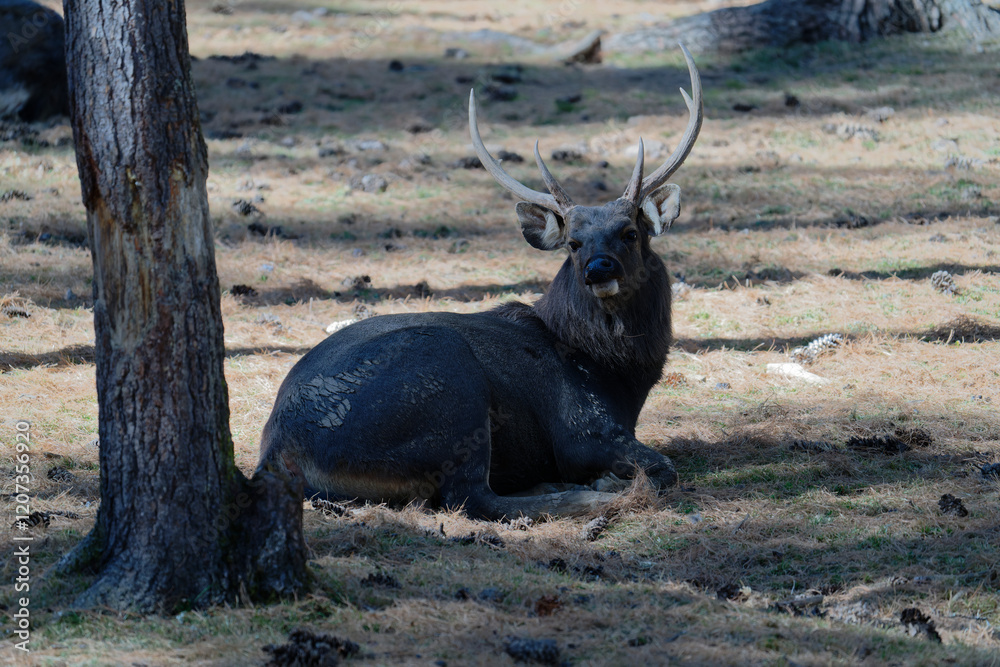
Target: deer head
[[607, 244]]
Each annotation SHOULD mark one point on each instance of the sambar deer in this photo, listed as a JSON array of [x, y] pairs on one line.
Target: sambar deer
[[473, 410]]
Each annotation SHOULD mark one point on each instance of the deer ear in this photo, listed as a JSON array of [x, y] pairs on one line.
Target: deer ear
[[542, 228], [660, 208]]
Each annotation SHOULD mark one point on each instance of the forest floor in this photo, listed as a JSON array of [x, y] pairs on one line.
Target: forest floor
[[830, 186]]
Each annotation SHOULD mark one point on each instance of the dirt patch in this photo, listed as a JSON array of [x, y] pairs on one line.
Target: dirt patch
[[539, 651], [310, 649], [965, 329], [949, 504], [918, 623], [882, 444]]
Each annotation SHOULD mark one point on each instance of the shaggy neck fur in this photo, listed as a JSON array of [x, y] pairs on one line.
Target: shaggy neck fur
[[628, 334]]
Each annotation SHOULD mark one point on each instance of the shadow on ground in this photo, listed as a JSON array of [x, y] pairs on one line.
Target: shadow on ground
[[963, 329]]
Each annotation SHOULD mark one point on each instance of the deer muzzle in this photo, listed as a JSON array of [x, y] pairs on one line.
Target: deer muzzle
[[602, 275]]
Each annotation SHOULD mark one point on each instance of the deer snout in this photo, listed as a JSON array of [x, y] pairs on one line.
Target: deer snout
[[602, 274], [601, 269]]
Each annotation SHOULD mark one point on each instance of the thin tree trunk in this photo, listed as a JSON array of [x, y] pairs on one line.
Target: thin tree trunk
[[178, 524], [781, 23]]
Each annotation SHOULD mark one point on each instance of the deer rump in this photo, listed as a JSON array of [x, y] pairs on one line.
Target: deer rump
[[457, 410]]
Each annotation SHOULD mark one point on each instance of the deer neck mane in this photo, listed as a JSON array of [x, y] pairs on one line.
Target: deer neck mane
[[632, 337]]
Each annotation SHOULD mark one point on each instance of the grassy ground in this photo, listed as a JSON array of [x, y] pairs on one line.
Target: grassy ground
[[804, 216]]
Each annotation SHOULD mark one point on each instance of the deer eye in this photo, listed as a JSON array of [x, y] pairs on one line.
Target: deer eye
[[574, 245], [630, 236]]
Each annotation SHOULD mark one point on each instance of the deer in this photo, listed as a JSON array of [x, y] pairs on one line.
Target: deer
[[517, 411]]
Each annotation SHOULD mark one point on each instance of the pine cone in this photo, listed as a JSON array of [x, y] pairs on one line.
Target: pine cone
[[943, 282], [808, 353]]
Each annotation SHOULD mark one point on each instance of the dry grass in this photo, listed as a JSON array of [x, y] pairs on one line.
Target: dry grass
[[789, 232]]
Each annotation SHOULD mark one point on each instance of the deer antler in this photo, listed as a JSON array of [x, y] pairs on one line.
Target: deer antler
[[676, 159], [552, 184], [634, 187], [558, 201], [638, 187]]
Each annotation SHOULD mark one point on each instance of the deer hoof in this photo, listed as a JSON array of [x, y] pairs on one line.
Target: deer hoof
[[610, 483], [662, 475]]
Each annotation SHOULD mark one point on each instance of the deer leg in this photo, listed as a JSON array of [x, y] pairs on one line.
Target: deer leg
[[621, 455], [469, 487], [482, 503], [657, 467], [610, 483], [546, 488]]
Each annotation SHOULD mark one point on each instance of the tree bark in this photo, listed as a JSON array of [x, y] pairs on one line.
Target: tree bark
[[178, 524], [781, 23]]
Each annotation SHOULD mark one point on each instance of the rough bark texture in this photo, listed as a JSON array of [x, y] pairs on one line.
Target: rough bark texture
[[178, 525], [780, 23]]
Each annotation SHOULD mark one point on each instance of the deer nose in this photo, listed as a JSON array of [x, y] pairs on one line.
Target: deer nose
[[601, 269]]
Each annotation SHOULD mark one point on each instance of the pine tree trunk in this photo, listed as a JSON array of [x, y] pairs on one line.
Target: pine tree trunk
[[178, 524], [781, 23]]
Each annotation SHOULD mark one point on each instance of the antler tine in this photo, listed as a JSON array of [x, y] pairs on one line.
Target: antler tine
[[552, 184], [505, 180], [634, 187], [696, 112]]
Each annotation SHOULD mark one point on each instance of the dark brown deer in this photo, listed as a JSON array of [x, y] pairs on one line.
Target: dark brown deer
[[476, 410]]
